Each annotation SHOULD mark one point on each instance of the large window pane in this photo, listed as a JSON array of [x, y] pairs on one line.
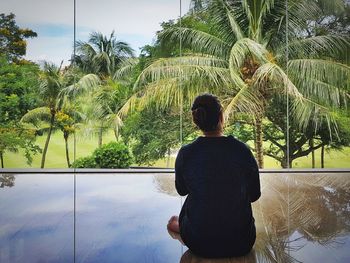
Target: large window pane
[[35, 66], [318, 69], [114, 46]]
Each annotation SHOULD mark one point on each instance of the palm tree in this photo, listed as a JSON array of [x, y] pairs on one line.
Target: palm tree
[[54, 80], [103, 56], [252, 50], [100, 109]]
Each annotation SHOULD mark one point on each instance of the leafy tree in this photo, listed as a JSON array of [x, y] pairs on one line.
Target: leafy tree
[[333, 18], [13, 138], [301, 142], [152, 133], [18, 89], [13, 38], [243, 59]]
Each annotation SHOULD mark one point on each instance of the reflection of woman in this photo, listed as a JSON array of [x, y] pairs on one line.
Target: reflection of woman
[[221, 178]]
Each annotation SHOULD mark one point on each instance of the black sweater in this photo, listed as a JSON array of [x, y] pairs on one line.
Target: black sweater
[[221, 178]]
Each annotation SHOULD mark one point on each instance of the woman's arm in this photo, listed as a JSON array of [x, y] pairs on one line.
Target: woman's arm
[[179, 179], [253, 179]]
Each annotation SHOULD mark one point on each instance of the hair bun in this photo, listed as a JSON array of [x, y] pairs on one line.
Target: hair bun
[[200, 115], [206, 110]]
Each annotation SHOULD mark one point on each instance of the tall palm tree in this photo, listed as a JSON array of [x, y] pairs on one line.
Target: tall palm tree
[[253, 50], [54, 80], [103, 56]]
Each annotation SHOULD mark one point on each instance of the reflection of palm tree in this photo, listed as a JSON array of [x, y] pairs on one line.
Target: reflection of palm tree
[[243, 56], [165, 184], [314, 206], [7, 180], [299, 203]]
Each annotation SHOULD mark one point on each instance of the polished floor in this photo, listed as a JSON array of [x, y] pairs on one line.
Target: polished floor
[[122, 218]]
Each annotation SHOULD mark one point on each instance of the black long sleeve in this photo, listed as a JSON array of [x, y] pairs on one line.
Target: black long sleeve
[[179, 180], [253, 180]]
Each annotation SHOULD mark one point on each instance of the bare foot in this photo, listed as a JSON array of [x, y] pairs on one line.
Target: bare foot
[[174, 228], [173, 224]]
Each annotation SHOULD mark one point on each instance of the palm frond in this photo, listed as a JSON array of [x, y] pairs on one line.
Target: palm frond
[[188, 68], [329, 45], [245, 101], [197, 41], [327, 71], [323, 93], [126, 68], [37, 115], [86, 84]]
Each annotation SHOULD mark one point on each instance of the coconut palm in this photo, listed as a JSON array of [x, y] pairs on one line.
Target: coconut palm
[[103, 56], [53, 81], [100, 109], [251, 52]]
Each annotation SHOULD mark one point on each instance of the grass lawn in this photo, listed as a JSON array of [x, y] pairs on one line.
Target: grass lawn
[[56, 158], [334, 159]]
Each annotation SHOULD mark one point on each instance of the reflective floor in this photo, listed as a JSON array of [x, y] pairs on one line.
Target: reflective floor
[[122, 218]]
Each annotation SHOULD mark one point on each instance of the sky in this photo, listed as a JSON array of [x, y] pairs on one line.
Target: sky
[[134, 21]]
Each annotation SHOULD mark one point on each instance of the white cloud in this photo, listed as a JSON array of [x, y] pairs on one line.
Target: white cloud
[[139, 19]]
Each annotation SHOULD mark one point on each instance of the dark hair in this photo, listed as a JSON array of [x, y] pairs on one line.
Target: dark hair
[[206, 110]]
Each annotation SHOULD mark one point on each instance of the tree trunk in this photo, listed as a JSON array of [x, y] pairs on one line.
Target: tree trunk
[[259, 141], [322, 156], [2, 160], [116, 133], [168, 159], [100, 132], [312, 153], [47, 140], [65, 135], [284, 163]]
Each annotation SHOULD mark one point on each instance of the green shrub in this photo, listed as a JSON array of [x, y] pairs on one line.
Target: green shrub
[[85, 162], [113, 155]]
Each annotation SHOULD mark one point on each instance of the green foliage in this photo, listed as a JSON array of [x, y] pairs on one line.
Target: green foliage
[[152, 133], [113, 155], [19, 87], [85, 162], [13, 38], [101, 55], [301, 141], [14, 137]]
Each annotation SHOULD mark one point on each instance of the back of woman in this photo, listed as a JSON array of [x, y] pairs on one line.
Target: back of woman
[[221, 178]]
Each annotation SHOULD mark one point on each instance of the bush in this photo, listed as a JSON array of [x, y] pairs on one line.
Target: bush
[[85, 162], [113, 155]]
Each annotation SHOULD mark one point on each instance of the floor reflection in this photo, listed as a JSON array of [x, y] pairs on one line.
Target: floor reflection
[[7, 180], [189, 257], [122, 218], [297, 215]]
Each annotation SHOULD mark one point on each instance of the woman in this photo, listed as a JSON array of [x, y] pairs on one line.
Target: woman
[[221, 178]]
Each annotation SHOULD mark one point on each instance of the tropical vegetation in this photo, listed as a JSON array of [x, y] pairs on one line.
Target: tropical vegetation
[[280, 68]]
